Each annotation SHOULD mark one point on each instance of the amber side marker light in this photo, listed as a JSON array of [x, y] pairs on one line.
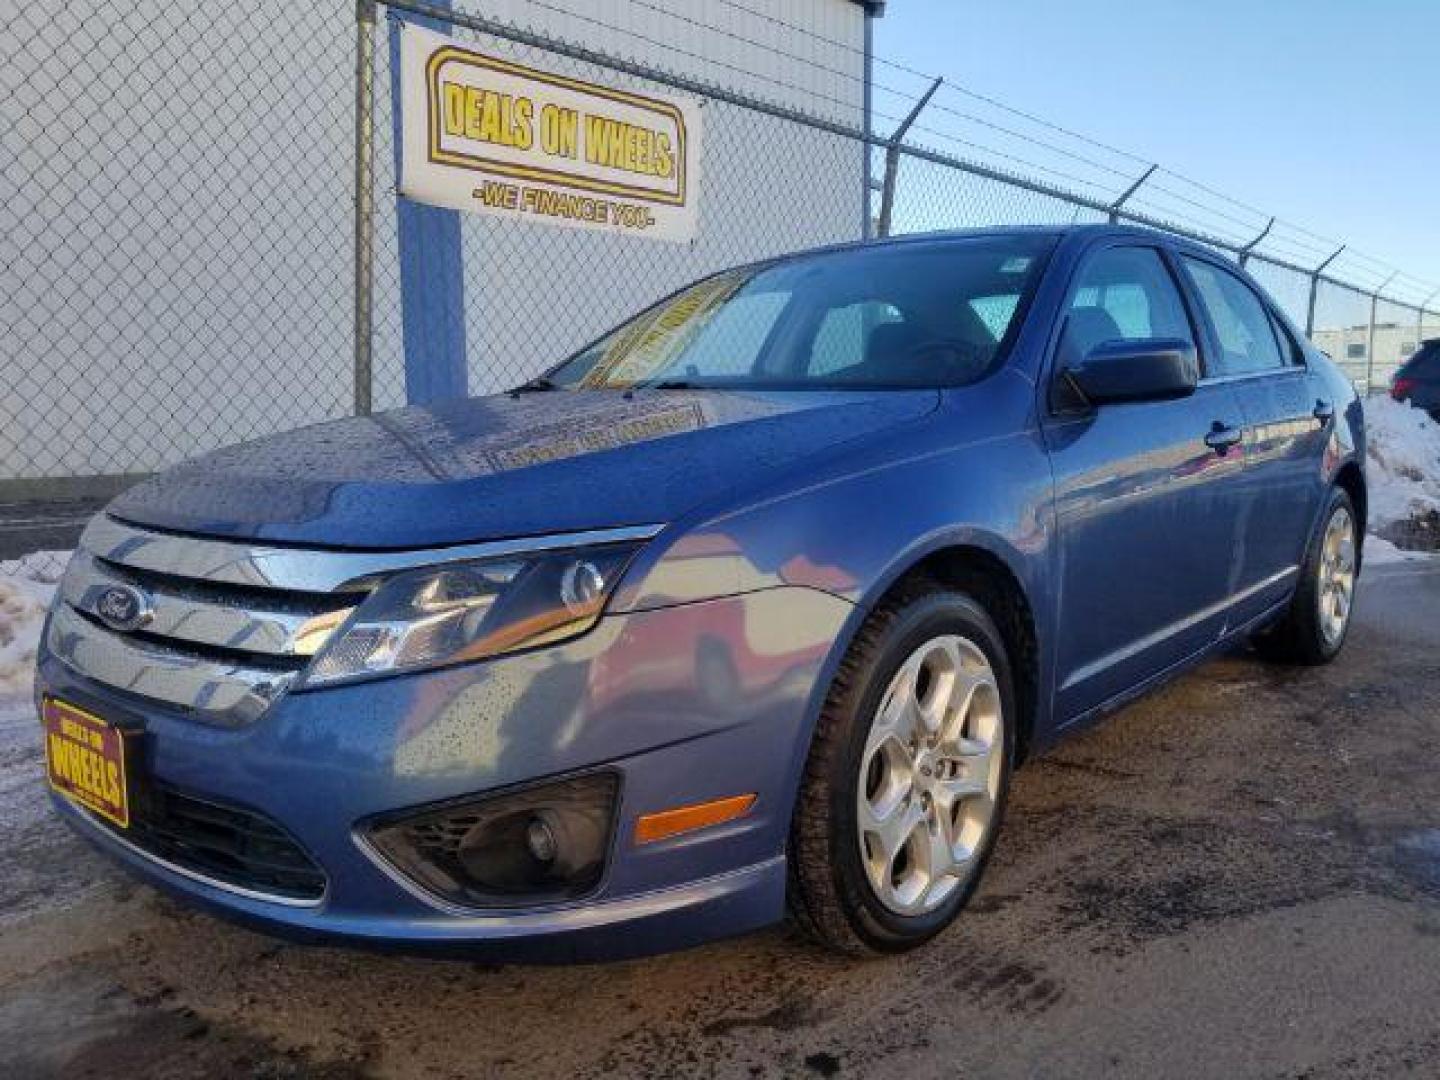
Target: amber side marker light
[[683, 819]]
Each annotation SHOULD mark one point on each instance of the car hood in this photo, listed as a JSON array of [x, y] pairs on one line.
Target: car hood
[[507, 466]]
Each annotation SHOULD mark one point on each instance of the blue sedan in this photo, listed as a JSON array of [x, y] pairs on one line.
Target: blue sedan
[[752, 605]]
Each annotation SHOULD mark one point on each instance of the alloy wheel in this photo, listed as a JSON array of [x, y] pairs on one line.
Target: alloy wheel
[[1336, 594], [930, 775]]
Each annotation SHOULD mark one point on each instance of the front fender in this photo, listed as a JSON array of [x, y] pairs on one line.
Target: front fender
[[974, 472], [855, 533]]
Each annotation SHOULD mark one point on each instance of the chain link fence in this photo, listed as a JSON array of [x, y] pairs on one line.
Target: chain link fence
[[534, 294], [179, 251], [174, 233]]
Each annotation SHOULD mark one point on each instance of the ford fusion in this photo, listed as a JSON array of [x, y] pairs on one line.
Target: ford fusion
[[752, 605]]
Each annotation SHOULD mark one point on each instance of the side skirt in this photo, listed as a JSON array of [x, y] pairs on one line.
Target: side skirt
[[1169, 674]]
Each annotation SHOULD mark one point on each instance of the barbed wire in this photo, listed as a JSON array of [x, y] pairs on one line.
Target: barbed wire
[[1152, 189], [1030, 139], [991, 152], [860, 79], [950, 85], [1312, 242], [678, 50], [773, 49]]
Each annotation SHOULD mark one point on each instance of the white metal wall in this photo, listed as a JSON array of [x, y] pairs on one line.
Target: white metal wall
[[175, 210]]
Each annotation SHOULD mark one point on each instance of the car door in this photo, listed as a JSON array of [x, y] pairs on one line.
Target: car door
[[1418, 380], [1287, 416], [1146, 493]]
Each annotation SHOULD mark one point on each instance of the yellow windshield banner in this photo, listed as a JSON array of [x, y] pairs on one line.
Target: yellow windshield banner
[[483, 133], [649, 344]]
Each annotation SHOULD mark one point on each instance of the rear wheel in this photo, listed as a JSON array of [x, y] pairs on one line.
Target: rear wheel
[[906, 779], [1314, 629]]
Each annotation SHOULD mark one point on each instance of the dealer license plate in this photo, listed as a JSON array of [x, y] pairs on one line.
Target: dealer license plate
[[85, 760]]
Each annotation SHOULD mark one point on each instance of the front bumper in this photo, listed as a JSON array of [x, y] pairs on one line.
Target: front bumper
[[687, 703]]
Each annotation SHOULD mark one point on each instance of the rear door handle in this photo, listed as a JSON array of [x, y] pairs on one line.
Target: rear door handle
[[1324, 411], [1221, 438]]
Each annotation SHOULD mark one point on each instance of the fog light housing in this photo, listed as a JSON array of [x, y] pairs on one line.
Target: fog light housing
[[537, 845]]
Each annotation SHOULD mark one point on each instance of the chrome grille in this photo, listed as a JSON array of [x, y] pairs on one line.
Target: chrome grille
[[262, 622], [228, 627]]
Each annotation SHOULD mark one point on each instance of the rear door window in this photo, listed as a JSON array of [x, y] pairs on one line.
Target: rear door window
[[1288, 345], [1242, 324]]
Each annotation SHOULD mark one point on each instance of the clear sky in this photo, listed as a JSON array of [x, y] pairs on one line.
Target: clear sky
[[1321, 111]]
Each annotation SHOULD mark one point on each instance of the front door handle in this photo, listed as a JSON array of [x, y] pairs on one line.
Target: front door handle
[[1324, 411], [1222, 437]]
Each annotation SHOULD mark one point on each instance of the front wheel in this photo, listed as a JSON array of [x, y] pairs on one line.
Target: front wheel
[[907, 776], [1314, 628]]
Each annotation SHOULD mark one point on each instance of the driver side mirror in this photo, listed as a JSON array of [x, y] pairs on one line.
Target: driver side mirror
[[1155, 369]]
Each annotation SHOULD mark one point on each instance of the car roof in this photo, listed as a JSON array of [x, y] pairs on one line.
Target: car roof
[[1059, 232]]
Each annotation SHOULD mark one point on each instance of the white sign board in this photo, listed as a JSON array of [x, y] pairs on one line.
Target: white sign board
[[486, 134]]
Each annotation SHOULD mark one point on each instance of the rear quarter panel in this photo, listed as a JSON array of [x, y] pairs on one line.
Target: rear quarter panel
[[1346, 442]]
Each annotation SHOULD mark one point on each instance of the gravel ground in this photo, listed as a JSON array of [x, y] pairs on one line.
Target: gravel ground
[[1239, 877]]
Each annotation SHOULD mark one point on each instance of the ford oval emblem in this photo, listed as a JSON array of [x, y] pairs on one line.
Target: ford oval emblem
[[122, 608]]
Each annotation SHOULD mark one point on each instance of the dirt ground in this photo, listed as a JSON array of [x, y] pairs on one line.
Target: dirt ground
[[1239, 877]]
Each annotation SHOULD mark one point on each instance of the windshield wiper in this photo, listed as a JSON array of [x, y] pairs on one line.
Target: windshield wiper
[[675, 384], [535, 386]]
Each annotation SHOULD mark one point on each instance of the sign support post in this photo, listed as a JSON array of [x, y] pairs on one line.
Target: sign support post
[[433, 311], [364, 202]]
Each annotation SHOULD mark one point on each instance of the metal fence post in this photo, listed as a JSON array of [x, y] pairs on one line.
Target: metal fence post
[[1253, 244], [867, 160], [364, 204], [1114, 208], [1370, 340], [1314, 288], [892, 160], [1420, 318]]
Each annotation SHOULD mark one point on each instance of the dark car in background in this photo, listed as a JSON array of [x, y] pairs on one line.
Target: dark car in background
[[1418, 380], [756, 602]]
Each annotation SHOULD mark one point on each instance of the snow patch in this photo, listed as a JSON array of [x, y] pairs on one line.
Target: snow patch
[[21, 800], [27, 585], [1403, 467], [1380, 552]]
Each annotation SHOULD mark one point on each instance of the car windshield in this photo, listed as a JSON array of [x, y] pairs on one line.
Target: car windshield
[[924, 314]]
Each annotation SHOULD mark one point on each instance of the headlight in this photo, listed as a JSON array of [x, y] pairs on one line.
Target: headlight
[[465, 611]]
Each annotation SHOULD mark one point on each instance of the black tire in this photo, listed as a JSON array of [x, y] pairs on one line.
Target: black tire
[[1297, 637], [831, 898]]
